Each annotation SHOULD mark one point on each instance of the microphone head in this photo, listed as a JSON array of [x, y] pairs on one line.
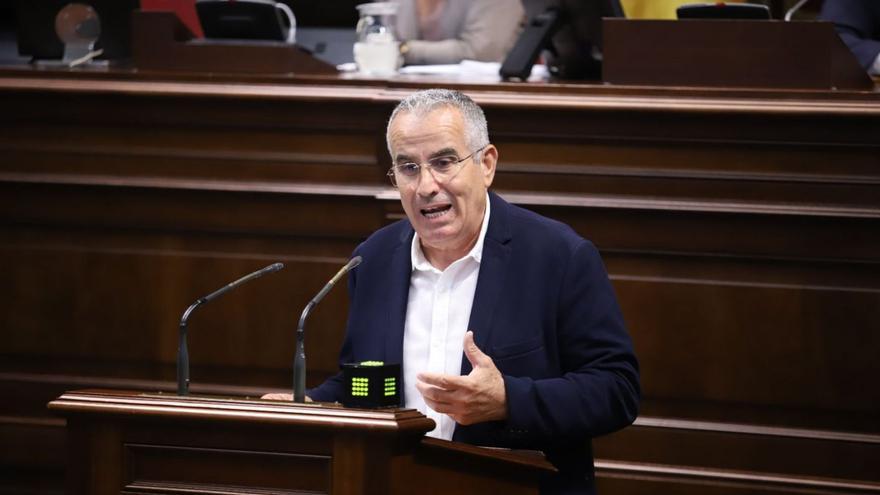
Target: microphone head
[[274, 267], [353, 263]]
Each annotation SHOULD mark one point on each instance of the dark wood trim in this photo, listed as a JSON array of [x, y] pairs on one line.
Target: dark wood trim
[[750, 429], [672, 476]]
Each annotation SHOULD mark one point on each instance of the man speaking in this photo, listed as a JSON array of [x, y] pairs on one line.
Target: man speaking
[[505, 321]]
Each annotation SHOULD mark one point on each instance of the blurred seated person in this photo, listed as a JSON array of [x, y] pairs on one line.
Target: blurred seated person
[[858, 24], [449, 31]]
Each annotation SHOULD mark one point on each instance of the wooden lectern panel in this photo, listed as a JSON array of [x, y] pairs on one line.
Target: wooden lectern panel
[[212, 467], [149, 443]]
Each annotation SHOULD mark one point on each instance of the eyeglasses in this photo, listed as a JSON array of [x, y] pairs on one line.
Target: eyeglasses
[[443, 168]]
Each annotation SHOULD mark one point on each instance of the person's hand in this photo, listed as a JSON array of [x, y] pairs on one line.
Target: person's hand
[[470, 399], [287, 397]]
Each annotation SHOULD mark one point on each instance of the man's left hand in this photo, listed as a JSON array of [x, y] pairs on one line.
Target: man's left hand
[[470, 399]]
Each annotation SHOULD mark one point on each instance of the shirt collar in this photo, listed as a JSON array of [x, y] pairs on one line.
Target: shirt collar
[[417, 256]]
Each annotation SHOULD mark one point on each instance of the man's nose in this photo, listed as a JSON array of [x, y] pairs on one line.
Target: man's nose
[[427, 185]]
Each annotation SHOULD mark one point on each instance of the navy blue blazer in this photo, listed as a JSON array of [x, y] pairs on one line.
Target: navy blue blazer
[[858, 24], [543, 310]]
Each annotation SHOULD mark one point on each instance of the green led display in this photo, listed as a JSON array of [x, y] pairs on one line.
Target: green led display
[[360, 387], [390, 386]]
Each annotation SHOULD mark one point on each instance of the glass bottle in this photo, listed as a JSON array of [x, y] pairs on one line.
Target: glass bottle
[[377, 49]]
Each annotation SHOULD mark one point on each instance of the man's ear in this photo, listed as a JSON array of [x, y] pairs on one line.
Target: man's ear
[[488, 161]]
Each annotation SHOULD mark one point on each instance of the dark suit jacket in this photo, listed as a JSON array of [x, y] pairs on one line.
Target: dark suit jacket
[[858, 24], [543, 310]]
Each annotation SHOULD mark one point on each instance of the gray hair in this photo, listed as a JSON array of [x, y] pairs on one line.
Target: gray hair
[[423, 102]]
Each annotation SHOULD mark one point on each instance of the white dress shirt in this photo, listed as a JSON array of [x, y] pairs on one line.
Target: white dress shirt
[[437, 314]]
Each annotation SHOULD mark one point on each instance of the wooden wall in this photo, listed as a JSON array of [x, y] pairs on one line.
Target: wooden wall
[[741, 231]]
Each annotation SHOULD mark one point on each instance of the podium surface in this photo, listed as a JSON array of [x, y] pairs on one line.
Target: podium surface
[[139, 443]]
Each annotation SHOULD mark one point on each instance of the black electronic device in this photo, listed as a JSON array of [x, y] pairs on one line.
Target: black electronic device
[[570, 34], [371, 385], [722, 10], [326, 28], [534, 37], [325, 13], [36, 27], [247, 20], [331, 44]]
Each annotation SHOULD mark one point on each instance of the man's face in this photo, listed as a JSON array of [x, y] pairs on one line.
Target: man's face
[[447, 215]]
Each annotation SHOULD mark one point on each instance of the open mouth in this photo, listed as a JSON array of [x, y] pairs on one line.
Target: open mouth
[[435, 211]]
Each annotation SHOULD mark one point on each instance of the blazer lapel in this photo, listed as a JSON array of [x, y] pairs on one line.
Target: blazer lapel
[[493, 267], [401, 268]]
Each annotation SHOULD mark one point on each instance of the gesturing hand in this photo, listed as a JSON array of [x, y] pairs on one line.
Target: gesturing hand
[[470, 399]]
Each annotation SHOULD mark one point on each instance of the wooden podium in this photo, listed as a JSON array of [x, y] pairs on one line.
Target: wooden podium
[[152, 443], [161, 42], [730, 54]]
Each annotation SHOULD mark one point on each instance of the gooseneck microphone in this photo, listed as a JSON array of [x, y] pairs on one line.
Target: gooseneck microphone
[[791, 11], [299, 357], [182, 352]]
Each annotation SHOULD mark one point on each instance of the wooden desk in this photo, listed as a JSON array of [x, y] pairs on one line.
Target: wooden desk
[[741, 230]]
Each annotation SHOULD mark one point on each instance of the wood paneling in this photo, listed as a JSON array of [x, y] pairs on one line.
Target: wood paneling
[[218, 469], [741, 230], [132, 442]]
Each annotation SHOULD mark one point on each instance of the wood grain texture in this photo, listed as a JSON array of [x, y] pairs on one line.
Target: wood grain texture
[[740, 228], [131, 442]]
